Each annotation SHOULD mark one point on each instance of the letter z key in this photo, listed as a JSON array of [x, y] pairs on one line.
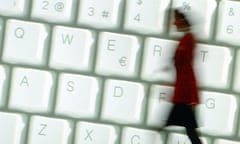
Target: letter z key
[[49, 131]]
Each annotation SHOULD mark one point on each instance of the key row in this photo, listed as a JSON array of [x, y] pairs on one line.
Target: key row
[[118, 101], [59, 131], [49, 130], [110, 54], [141, 17]]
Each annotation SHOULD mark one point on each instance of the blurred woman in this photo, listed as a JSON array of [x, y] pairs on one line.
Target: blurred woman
[[185, 95]]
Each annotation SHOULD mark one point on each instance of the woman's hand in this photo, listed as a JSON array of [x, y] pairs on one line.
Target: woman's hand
[[193, 104]]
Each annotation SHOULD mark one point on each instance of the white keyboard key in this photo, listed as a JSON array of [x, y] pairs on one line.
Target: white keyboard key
[[228, 27], [159, 105], [25, 42], [217, 114], [146, 17], [225, 141], [71, 48], [45, 130], [31, 90], [236, 85], [123, 102], [16, 8], [118, 54], [177, 138], [3, 83], [53, 10], [78, 96], [12, 128], [157, 56], [212, 65], [201, 14], [100, 13], [141, 136], [96, 133]]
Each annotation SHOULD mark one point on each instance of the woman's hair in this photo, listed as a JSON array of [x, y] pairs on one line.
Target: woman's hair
[[181, 15]]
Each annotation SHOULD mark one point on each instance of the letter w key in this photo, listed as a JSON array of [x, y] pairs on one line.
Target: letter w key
[[71, 48], [67, 38]]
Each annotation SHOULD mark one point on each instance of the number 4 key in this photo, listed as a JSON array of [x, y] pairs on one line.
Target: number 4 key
[[141, 16]]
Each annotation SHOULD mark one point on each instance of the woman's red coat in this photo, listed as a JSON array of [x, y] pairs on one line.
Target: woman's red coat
[[185, 85]]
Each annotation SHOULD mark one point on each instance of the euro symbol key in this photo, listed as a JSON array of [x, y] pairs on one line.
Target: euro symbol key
[[123, 61]]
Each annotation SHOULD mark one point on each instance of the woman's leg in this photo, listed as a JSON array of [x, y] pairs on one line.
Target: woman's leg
[[193, 135]]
